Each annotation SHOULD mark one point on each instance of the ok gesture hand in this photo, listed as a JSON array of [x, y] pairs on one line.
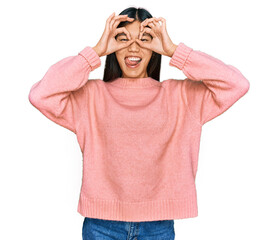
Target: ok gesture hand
[[161, 42], [107, 43]]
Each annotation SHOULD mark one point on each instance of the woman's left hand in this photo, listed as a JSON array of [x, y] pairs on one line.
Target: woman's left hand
[[161, 42]]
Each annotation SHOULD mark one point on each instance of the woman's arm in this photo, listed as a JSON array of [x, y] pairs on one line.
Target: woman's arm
[[61, 95], [211, 87]]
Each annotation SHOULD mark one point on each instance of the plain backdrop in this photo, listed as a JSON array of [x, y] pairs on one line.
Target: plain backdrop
[[41, 162]]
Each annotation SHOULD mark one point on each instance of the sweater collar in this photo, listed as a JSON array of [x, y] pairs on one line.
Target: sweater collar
[[135, 82]]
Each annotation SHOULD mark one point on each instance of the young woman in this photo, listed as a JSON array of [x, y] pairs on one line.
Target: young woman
[[139, 137]]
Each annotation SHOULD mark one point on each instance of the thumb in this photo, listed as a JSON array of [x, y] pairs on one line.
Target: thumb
[[124, 45], [129, 42], [143, 44]]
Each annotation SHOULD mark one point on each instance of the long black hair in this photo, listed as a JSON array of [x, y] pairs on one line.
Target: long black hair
[[112, 68]]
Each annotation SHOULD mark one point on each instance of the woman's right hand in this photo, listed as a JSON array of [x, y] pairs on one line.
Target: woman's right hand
[[107, 43]]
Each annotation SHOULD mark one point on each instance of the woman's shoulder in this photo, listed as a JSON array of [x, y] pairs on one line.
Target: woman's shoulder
[[172, 83], [94, 82]]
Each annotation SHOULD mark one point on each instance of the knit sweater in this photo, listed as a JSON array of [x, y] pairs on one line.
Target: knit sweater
[[139, 138]]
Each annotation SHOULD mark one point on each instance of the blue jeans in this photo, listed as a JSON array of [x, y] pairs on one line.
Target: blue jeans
[[100, 229]]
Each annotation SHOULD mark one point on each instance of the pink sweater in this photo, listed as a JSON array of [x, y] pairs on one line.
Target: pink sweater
[[139, 137]]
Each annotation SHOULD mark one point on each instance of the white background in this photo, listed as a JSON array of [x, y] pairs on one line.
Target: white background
[[41, 162]]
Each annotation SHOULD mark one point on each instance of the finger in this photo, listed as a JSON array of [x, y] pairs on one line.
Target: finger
[[163, 21], [148, 30], [115, 22], [122, 17], [146, 22], [139, 42], [126, 44], [122, 45], [151, 24], [148, 19], [112, 15], [115, 18], [109, 19], [156, 22], [122, 30], [143, 44], [141, 24]]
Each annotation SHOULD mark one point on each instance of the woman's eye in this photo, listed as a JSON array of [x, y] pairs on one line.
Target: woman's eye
[[124, 40], [144, 39]]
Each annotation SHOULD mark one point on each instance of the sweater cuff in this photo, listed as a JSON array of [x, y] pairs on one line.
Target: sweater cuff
[[180, 56], [91, 56]]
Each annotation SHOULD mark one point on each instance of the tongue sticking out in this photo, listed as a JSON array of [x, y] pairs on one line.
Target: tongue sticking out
[[132, 63]]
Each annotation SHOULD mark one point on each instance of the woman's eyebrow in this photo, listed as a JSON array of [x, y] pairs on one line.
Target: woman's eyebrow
[[144, 34], [121, 34]]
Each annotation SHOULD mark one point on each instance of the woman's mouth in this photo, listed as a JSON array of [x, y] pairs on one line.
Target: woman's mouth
[[132, 62]]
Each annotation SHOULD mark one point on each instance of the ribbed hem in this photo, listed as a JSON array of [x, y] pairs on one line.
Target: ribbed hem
[[91, 56], [180, 56], [138, 211]]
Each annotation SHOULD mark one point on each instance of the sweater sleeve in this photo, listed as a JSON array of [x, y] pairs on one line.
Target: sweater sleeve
[[61, 94], [211, 87]]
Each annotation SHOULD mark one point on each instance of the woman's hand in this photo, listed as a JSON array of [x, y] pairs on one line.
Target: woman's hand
[[161, 42], [108, 44]]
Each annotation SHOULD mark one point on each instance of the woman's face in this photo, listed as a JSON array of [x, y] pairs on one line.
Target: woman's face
[[134, 69]]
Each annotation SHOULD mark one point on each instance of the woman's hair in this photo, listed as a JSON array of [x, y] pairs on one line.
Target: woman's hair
[[112, 68]]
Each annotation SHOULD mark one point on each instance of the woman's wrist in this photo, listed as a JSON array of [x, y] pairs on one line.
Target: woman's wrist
[[97, 51], [173, 49]]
